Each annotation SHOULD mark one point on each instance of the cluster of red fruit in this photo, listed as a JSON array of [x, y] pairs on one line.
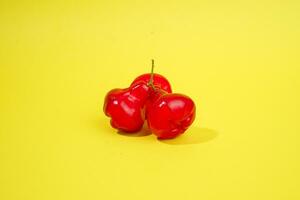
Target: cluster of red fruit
[[150, 98]]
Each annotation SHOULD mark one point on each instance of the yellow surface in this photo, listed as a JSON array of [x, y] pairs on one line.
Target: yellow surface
[[238, 60]]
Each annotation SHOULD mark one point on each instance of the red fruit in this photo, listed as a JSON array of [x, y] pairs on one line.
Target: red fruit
[[125, 107], [159, 81], [153, 96], [171, 115], [158, 85]]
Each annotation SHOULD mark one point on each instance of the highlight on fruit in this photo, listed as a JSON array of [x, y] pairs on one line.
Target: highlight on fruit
[[150, 98]]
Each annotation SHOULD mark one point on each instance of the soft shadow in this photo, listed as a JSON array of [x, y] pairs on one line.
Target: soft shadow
[[144, 132], [104, 124], [194, 135]]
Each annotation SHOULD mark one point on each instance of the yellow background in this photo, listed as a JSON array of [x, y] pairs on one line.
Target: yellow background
[[239, 61]]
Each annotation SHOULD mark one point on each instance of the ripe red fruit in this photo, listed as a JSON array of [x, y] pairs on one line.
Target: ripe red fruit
[[159, 81], [154, 80], [171, 115], [153, 95], [149, 96], [125, 107]]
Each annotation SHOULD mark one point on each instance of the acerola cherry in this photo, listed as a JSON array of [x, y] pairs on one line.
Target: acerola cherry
[[125, 107], [171, 115], [157, 80], [153, 95]]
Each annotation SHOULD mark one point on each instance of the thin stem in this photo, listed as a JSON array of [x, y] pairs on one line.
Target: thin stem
[[152, 70], [152, 75]]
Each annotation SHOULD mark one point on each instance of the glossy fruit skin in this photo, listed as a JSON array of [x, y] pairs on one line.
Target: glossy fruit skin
[[171, 115], [125, 107], [159, 81], [153, 95]]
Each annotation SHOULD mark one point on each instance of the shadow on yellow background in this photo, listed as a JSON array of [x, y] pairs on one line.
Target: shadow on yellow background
[[194, 135]]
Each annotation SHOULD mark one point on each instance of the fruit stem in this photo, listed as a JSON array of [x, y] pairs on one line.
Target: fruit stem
[[152, 75]]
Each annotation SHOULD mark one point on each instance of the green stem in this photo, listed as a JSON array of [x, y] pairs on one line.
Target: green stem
[[152, 75]]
